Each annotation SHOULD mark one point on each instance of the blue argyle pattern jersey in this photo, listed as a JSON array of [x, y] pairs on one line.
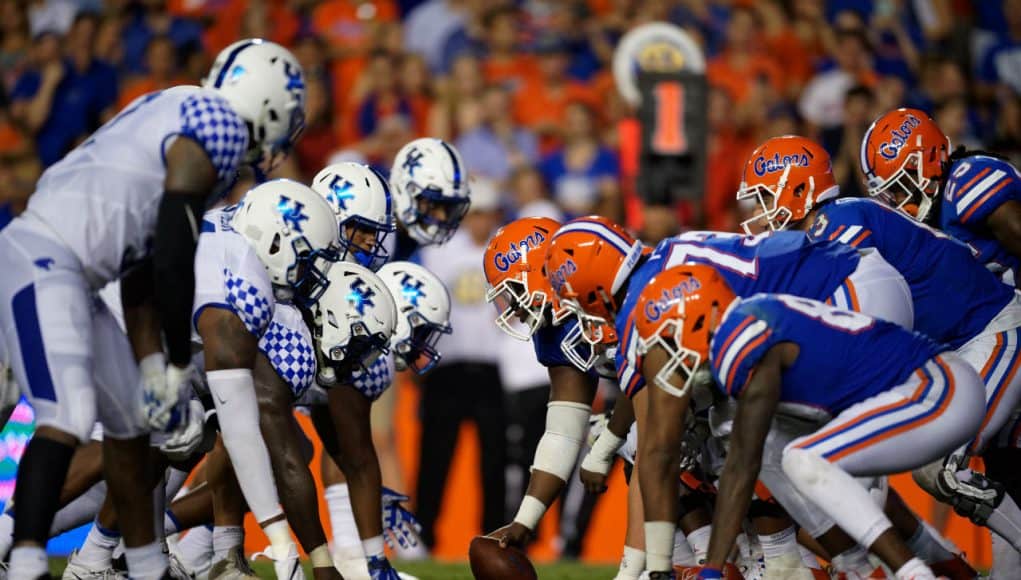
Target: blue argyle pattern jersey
[[254, 310], [290, 352], [377, 378], [209, 120]]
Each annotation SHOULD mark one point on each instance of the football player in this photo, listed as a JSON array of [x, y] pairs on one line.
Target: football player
[[881, 389], [520, 290], [125, 204], [956, 300], [275, 245], [972, 195]]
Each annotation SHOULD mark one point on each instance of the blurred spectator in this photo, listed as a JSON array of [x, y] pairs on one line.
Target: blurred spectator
[[529, 194], [742, 63], [728, 148], [572, 21], [844, 143], [14, 41], [382, 96], [793, 42], [429, 26], [822, 102], [542, 102], [504, 62], [59, 101], [319, 139], [1007, 137], [348, 25], [462, 85], [583, 174], [466, 383], [19, 170], [999, 67], [274, 20], [108, 42], [161, 64], [414, 83], [490, 142], [952, 117], [150, 18]]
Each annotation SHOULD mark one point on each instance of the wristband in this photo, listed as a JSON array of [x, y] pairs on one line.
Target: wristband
[[600, 458], [373, 547], [530, 512], [659, 546], [710, 573]]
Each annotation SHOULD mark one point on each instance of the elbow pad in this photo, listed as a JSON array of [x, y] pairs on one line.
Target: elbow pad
[[566, 425]]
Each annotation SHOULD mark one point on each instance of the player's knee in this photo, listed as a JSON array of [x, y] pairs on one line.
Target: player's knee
[[803, 466], [927, 478]]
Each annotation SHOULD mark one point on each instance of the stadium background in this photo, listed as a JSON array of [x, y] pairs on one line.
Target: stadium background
[[524, 90]]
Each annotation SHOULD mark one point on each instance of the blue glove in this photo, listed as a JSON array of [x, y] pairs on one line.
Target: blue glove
[[380, 569], [400, 526]]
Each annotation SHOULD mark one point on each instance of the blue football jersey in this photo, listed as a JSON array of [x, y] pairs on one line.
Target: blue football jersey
[[787, 262], [844, 357], [977, 186], [954, 296]]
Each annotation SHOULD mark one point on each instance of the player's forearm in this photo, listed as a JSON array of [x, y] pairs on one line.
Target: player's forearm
[[737, 484], [365, 482], [141, 320], [622, 418]]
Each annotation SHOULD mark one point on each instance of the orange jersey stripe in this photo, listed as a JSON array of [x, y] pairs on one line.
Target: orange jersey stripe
[[913, 424], [967, 186], [974, 206], [744, 353]]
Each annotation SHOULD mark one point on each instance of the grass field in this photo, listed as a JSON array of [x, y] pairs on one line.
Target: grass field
[[441, 571]]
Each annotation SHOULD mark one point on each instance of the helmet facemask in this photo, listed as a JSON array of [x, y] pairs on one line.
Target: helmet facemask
[[418, 352], [307, 277], [434, 217], [908, 190], [372, 257], [590, 336], [775, 216]]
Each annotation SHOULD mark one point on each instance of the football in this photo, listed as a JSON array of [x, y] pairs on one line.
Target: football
[[491, 562]]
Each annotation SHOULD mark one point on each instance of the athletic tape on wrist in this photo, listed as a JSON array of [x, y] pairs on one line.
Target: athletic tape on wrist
[[600, 458], [530, 512]]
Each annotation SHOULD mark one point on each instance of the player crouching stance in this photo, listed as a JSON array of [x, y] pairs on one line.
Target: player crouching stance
[[896, 400]]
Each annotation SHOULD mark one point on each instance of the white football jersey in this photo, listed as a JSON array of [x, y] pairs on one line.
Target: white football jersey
[[288, 345], [102, 199], [229, 275]]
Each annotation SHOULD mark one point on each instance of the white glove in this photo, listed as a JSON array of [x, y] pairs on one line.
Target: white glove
[[184, 440], [164, 387], [600, 458]]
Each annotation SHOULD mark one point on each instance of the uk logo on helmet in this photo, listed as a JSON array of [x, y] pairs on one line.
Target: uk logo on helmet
[[411, 289], [764, 165], [360, 296], [898, 138], [413, 161], [294, 80], [291, 210], [670, 298], [340, 192]]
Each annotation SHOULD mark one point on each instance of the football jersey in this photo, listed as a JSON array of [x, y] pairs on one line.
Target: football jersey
[[976, 187], [287, 343], [229, 275], [788, 262], [954, 296], [844, 357], [102, 199], [376, 379]]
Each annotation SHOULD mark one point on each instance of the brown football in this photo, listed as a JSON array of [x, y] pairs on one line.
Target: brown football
[[491, 562]]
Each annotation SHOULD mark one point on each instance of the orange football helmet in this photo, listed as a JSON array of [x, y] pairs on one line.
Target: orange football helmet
[[903, 157], [588, 262], [513, 264], [787, 176], [679, 310]]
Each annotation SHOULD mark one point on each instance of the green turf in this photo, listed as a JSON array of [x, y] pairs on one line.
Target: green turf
[[438, 571]]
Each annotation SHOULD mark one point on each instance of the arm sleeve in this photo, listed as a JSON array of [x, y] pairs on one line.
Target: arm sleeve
[[174, 271]]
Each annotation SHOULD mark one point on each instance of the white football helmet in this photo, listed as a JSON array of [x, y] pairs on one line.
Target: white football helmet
[[293, 232], [263, 83], [423, 314], [361, 200], [354, 319], [430, 187]]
